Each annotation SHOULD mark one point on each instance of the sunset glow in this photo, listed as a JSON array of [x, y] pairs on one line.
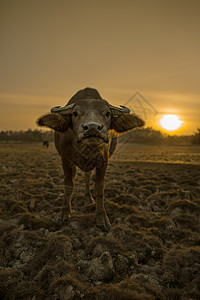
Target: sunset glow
[[117, 47], [170, 122]]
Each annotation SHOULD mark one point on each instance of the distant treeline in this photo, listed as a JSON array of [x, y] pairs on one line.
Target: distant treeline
[[155, 137], [138, 136], [27, 136]]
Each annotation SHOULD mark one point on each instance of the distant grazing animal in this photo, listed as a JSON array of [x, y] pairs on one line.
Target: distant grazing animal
[[46, 144], [86, 136]]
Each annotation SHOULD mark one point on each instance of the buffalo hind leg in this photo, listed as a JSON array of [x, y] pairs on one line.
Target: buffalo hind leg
[[88, 196], [102, 220], [69, 174]]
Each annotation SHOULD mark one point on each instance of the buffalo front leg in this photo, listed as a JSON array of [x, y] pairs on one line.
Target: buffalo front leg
[[88, 197], [102, 220], [65, 213]]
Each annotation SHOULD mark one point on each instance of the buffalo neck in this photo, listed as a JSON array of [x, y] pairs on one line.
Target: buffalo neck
[[87, 156]]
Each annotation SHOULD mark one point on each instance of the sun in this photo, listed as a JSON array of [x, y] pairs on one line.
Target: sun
[[170, 122]]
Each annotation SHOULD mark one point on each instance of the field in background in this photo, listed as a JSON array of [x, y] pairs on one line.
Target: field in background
[[152, 197], [163, 154], [184, 154]]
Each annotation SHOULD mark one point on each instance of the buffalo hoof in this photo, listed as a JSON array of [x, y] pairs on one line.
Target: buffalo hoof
[[104, 228], [60, 220], [102, 221], [89, 199]]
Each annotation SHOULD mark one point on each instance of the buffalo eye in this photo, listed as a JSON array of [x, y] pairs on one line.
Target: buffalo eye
[[75, 114], [108, 114]]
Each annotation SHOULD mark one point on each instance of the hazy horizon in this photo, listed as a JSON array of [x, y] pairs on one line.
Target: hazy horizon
[[50, 50]]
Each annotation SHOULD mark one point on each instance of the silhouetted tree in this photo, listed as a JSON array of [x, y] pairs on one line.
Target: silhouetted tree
[[196, 137]]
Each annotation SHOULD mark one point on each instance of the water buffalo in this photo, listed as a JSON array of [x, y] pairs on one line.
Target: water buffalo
[[45, 143], [86, 131]]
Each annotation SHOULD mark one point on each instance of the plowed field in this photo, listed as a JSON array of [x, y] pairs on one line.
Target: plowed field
[[152, 197]]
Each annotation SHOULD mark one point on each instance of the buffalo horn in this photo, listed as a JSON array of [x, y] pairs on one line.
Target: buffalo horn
[[62, 108], [122, 109]]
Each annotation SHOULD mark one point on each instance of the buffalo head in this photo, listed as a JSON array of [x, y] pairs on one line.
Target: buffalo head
[[90, 120]]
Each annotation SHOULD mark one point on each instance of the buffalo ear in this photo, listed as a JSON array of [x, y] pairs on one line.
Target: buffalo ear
[[55, 121], [126, 122]]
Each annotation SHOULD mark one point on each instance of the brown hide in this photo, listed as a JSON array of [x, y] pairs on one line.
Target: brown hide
[[85, 136]]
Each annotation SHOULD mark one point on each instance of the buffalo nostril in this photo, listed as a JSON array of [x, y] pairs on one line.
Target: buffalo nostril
[[85, 127], [100, 127], [92, 126]]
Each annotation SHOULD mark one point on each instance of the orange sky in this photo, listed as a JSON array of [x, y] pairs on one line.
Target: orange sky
[[50, 49]]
